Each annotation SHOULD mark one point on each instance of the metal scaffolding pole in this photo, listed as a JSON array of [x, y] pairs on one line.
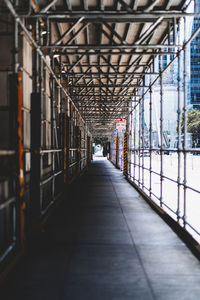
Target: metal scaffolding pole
[[36, 43], [161, 134], [179, 132], [134, 139], [150, 137], [143, 124], [185, 146], [139, 139]]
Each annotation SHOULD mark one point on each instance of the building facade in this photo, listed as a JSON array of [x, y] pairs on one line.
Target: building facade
[[194, 100]]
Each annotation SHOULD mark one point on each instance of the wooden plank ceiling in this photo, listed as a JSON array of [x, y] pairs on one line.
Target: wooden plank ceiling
[[103, 49]]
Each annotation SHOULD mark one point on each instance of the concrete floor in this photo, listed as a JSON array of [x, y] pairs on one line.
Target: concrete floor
[[105, 243]]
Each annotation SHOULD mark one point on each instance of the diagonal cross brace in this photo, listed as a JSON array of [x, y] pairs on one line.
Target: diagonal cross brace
[[59, 41], [77, 62], [45, 9], [114, 33]]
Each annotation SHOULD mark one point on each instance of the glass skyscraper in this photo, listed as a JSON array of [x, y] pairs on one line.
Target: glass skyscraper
[[194, 100]]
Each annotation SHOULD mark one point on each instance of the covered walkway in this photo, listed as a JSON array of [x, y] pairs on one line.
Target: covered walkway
[[104, 242]]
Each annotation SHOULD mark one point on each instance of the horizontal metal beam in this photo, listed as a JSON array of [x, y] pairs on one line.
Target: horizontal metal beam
[[123, 74], [107, 86], [83, 64], [111, 47], [101, 111], [100, 95], [105, 77], [94, 107], [83, 101], [110, 119], [111, 16], [101, 104], [97, 109], [97, 53], [104, 113], [99, 100]]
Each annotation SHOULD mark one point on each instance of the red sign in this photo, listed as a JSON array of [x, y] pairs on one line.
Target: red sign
[[121, 124]]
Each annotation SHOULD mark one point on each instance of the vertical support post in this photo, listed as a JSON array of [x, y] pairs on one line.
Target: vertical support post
[[41, 81], [174, 31], [91, 150], [17, 144], [35, 160], [48, 24], [16, 103], [150, 138], [179, 131], [80, 146], [130, 119], [65, 142], [134, 141], [52, 94], [36, 139], [36, 80], [161, 133], [117, 151], [20, 161], [169, 32], [53, 129], [16, 47], [130, 126], [71, 137], [142, 124], [185, 129], [139, 146], [88, 151], [78, 150], [125, 153]]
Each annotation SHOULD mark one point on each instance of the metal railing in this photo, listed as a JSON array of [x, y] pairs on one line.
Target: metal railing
[[166, 173]]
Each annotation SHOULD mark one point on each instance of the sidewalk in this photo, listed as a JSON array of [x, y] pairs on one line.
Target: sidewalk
[[105, 243]]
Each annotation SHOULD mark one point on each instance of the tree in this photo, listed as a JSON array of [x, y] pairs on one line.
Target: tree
[[193, 124]]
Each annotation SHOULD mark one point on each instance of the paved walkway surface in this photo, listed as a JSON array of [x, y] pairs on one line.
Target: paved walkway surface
[[105, 243]]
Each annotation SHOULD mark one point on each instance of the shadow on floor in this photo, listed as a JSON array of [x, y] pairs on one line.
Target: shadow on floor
[[105, 243]]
